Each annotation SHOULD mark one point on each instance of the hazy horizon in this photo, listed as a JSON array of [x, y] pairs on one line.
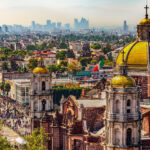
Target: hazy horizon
[[98, 12]]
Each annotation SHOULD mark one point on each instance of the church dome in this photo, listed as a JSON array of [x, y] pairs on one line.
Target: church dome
[[122, 81], [135, 55], [40, 70], [145, 21]]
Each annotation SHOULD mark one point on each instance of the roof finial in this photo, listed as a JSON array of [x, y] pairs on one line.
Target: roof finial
[[123, 52], [146, 16]]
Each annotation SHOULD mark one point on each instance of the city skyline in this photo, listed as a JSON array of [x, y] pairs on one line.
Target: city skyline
[[99, 13]]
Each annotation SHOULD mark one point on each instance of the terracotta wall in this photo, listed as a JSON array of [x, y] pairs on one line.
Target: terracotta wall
[[146, 124]]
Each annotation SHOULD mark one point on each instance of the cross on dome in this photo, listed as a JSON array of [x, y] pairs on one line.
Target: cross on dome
[[123, 52], [146, 8]]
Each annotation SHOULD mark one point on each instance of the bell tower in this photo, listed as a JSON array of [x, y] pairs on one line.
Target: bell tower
[[122, 116], [143, 27], [41, 99]]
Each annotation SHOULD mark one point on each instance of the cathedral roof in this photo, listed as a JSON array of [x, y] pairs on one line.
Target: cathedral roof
[[122, 81], [40, 70], [135, 55], [145, 21]]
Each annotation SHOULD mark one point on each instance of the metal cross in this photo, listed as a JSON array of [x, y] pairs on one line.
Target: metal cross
[[123, 55], [146, 16]]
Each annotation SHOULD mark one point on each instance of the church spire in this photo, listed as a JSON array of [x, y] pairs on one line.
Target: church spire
[[146, 8]]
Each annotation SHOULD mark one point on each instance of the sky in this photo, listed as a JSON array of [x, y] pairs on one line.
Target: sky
[[98, 12]]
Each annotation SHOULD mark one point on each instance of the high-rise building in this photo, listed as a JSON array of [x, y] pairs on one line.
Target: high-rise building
[[125, 26], [59, 24], [82, 24], [67, 26], [76, 23], [33, 24], [4, 28], [48, 22]]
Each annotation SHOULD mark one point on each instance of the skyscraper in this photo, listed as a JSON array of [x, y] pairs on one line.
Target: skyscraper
[[33, 24], [48, 22], [59, 24], [125, 26], [82, 24]]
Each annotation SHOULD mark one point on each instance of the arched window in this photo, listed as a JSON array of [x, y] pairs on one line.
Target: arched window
[[117, 136], [35, 106], [43, 105], [128, 102], [43, 86], [117, 106], [129, 137]]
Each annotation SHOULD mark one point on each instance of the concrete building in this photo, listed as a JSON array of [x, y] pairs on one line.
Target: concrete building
[[20, 90]]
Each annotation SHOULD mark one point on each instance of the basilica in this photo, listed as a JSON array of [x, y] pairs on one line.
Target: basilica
[[94, 121]]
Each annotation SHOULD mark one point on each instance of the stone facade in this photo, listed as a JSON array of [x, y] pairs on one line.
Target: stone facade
[[123, 119]]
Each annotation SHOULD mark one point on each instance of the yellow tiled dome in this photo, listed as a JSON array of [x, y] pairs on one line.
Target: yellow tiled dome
[[40, 70], [122, 81], [145, 22], [135, 56]]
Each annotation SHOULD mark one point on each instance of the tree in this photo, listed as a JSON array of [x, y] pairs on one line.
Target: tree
[[94, 62], [37, 140], [29, 53], [61, 55], [63, 46], [85, 61], [3, 57], [14, 66], [107, 49], [52, 68], [33, 63], [86, 50], [6, 51], [4, 144], [2, 87], [44, 46], [31, 47], [7, 87], [5, 66], [108, 62], [70, 54], [73, 68], [96, 46], [24, 69]]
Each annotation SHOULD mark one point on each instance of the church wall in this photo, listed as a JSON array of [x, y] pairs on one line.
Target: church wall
[[94, 117], [143, 80], [148, 86], [70, 105], [146, 124], [56, 138]]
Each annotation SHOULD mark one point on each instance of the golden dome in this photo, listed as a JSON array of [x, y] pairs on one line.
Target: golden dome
[[40, 70], [40, 59], [145, 22], [122, 81], [135, 56]]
